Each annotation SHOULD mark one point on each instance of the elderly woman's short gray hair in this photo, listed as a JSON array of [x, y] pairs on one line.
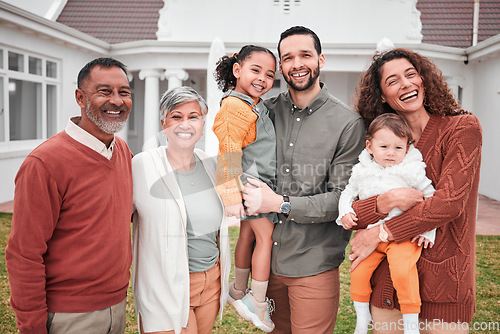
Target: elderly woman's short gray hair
[[175, 97]]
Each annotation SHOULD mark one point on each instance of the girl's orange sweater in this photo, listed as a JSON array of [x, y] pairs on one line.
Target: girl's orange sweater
[[235, 127]]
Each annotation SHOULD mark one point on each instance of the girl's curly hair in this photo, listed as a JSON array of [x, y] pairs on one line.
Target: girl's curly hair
[[224, 70], [438, 98]]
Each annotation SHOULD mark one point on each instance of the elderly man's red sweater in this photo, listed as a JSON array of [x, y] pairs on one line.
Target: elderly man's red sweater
[[69, 249]]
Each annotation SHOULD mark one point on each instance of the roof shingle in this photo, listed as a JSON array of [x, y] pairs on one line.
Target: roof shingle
[[113, 21], [449, 22]]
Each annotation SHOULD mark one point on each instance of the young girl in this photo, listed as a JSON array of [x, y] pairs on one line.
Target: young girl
[[247, 148], [388, 162]]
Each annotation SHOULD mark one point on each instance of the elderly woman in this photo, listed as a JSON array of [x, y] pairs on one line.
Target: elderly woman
[[450, 139], [180, 237]]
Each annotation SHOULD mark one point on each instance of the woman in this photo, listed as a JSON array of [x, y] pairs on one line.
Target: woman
[[450, 140], [180, 237]]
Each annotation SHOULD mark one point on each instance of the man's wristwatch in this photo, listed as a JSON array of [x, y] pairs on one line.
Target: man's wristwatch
[[285, 207], [383, 235]]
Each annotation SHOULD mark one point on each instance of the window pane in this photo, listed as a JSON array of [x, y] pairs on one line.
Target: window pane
[[16, 62], [51, 110], [1, 58], [25, 112], [2, 111], [51, 69], [35, 65]]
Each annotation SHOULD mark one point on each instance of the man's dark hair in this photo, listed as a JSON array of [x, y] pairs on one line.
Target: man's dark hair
[[300, 30], [103, 62]]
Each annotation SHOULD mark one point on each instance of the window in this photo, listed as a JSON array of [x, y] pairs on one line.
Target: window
[[25, 113], [2, 111], [35, 65], [51, 106], [51, 69], [16, 62], [29, 88]]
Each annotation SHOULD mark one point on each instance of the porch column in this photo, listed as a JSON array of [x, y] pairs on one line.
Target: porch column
[[175, 77], [151, 107]]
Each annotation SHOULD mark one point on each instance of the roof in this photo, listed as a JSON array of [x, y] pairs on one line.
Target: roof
[[489, 19], [444, 22], [113, 21], [449, 22]]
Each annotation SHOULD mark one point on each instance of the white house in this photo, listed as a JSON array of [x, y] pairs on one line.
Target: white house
[[166, 43]]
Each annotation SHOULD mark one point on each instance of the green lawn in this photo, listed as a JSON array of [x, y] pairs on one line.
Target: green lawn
[[487, 286]]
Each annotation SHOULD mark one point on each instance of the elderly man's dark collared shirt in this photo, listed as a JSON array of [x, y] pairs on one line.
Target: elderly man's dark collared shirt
[[316, 149]]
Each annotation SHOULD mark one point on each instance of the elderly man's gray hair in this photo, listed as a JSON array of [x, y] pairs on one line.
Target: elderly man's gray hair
[[175, 97]]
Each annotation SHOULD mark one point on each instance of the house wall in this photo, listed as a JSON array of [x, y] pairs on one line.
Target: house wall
[[480, 86], [341, 21], [70, 60], [486, 106], [481, 96]]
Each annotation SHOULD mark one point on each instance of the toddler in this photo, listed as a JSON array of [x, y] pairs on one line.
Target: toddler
[[389, 161]]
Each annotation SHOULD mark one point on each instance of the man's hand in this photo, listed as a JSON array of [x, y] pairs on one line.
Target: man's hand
[[363, 243], [235, 210], [349, 220], [259, 198]]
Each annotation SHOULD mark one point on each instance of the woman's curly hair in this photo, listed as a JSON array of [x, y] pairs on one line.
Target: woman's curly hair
[[438, 98], [224, 70]]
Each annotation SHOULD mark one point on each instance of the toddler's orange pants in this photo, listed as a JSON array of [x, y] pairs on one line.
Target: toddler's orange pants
[[402, 260]]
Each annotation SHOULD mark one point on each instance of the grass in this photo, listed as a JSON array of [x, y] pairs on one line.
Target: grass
[[7, 317], [487, 291]]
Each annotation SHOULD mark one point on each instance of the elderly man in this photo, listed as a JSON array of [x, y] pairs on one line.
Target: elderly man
[[69, 252], [318, 141]]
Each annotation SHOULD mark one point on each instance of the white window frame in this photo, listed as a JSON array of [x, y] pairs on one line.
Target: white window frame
[[7, 145]]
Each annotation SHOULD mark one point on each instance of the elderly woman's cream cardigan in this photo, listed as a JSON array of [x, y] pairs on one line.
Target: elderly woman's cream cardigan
[[160, 275]]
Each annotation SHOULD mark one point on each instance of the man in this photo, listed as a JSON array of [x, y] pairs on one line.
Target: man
[[318, 141], [69, 252]]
